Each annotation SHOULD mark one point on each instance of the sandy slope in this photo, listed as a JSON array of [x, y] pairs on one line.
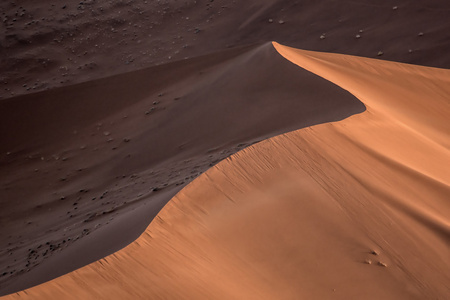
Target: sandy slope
[[355, 209], [85, 168]]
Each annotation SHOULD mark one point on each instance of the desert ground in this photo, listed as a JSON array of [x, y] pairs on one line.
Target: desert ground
[[225, 150]]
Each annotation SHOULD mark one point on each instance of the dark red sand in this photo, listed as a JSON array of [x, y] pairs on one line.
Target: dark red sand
[[51, 43]]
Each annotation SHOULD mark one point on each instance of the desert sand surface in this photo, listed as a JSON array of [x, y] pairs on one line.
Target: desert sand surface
[[264, 171], [351, 208], [83, 177], [52, 43]]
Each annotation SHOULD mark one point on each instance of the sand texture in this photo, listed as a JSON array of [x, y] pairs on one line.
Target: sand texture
[[52, 43], [350, 204], [92, 164]]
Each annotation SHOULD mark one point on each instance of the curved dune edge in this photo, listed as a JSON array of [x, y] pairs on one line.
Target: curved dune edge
[[164, 126], [298, 215]]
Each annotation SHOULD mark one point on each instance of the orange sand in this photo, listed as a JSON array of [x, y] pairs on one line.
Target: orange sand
[[297, 216]]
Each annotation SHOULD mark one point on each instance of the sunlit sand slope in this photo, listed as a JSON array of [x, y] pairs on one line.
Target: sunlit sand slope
[[355, 209], [84, 169]]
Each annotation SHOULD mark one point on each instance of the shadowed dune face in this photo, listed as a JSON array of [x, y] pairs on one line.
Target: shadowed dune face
[[85, 168], [354, 209], [50, 43]]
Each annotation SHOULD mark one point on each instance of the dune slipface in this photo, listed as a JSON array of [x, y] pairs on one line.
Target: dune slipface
[[85, 168], [352, 209]]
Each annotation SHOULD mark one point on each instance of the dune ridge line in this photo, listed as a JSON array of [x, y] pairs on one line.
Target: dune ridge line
[[338, 209]]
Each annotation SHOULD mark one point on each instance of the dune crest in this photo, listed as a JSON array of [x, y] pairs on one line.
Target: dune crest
[[353, 209], [423, 104]]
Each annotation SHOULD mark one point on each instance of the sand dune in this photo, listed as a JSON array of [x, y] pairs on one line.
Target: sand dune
[[89, 166], [349, 209]]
